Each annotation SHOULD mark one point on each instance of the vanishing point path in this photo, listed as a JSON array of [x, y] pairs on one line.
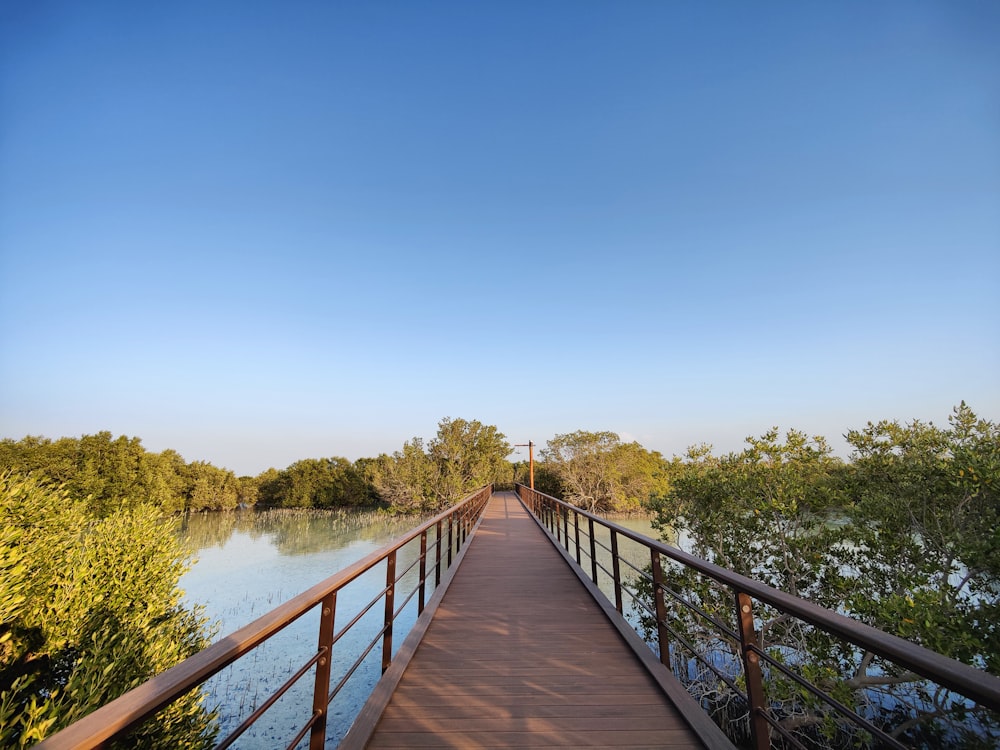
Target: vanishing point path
[[519, 655]]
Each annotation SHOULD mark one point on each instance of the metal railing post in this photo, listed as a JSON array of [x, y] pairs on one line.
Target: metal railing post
[[617, 571], [576, 529], [451, 537], [422, 584], [759, 728], [437, 555], [593, 550], [662, 634], [390, 589], [317, 733]]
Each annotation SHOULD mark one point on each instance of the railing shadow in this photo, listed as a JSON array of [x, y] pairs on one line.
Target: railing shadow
[[704, 625], [437, 542]]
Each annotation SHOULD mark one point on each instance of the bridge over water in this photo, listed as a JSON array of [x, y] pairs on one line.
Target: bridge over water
[[519, 654], [516, 646]]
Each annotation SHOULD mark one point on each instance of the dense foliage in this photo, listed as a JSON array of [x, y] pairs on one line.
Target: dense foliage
[[598, 472], [463, 456], [904, 537], [114, 474], [316, 483], [89, 608]]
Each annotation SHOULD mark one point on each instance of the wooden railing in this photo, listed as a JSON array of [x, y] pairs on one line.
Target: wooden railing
[[582, 536], [439, 540]]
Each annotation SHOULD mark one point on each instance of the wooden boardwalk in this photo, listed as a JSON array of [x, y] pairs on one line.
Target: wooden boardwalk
[[519, 655]]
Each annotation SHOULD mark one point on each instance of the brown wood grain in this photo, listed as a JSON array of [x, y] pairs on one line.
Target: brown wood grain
[[519, 656]]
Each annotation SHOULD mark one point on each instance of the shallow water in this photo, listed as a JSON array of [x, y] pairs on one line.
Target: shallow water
[[248, 563]]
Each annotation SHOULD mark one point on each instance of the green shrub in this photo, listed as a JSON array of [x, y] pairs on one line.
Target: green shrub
[[89, 608]]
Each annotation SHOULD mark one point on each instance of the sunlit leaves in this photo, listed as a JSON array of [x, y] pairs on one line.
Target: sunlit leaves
[[90, 608], [903, 537], [463, 456], [598, 472], [112, 474]]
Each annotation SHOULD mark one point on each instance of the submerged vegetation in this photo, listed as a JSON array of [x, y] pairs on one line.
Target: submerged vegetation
[[215, 529], [905, 537]]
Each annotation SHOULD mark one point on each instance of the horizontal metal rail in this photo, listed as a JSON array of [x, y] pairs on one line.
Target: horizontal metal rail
[[116, 719], [554, 514]]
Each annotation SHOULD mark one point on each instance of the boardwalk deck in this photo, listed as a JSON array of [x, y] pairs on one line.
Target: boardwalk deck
[[519, 656]]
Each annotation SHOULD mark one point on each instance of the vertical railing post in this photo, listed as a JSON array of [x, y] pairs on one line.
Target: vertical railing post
[[390, 590], [565, 520], [593, 550], [576, 529], [437, 555], [451, 538], [317, 734], [617, 571], [422, 573], [662, 634], [751, 670]]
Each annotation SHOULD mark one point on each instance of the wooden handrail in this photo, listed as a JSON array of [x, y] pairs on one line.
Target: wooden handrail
[[972, 683], [117, 717]]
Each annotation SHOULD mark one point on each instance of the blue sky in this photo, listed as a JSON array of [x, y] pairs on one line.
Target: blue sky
[[256, 232]]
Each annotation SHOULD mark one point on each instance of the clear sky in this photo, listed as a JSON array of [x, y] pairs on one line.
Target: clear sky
[[256, 232]]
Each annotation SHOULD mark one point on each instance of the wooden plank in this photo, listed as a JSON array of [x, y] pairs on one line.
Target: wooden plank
[[517, 655], [517, 698], [372, 710], [516, 709], [706, 729], [680, 740], [560, 724]]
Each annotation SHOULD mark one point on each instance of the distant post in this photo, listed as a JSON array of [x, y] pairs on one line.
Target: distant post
[[531, 461]]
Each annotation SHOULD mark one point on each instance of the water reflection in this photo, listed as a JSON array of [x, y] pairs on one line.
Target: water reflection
[[292, 532], [248, 563]]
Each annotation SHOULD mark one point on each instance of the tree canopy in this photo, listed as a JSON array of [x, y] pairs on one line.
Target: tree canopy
[[903, 537], [463, 456], [112, 474], [89, 609], [316, 483], [600, 473]]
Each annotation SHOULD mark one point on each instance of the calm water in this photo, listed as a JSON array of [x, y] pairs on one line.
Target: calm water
[[248, 563]]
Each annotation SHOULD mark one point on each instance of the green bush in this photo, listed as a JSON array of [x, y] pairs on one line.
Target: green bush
[[89, 608]]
